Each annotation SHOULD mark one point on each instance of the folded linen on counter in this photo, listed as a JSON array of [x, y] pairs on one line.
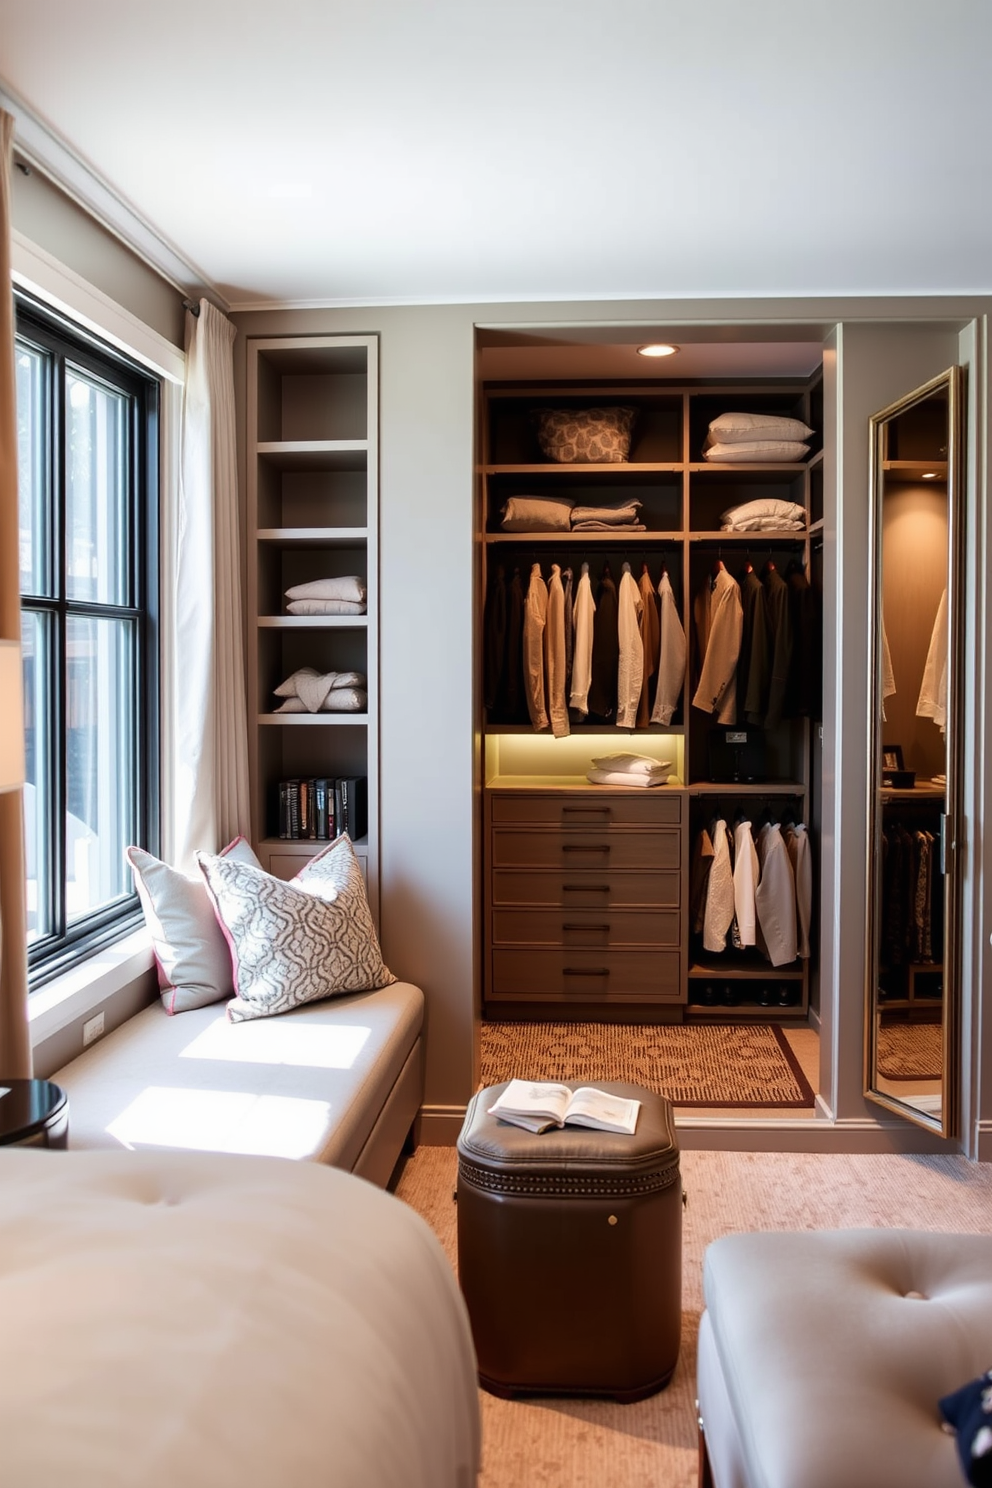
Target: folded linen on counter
[[633, 764], [761, 452], [312, 688], [350, 587], [326, 607], [624, 777], [340, 700], [623, 514]]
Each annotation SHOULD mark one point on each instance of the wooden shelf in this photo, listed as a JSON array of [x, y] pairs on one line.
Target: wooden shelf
[[314, 454], [312, 622], [311, 720], [313, 537]]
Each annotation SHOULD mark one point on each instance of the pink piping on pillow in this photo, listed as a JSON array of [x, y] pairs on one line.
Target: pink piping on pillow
[[223, 928]]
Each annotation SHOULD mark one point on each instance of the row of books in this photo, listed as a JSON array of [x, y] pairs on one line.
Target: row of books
[[322, 807]]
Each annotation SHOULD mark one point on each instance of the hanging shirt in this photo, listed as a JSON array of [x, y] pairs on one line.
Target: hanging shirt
[[566, 582], [797, 845], [583, 612], [753, 669], [535, 620], [779, 616], [671, 655], [719, 620], [745, 882], [649, 645], [554, 655], [775, 897], [605, 649], [719, 912], [933, 693], [699, 877], [631, 664]]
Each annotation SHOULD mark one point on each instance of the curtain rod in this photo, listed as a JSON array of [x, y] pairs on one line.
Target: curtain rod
[[192, 306]]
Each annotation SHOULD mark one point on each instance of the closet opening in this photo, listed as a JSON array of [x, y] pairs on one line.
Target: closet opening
[[649, 660]]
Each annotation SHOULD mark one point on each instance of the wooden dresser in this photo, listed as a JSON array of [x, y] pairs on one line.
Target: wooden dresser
[[584, 897]]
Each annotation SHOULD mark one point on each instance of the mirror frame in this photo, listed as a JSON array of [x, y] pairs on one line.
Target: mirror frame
[[946, 1125]]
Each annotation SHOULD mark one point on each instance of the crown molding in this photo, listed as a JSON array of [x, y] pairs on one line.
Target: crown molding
[[37, 145]]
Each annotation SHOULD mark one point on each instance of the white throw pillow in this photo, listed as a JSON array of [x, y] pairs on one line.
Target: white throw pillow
[[765, 451], [340, 700], [765, 506], [291, 686], [194, 962], [300, 941], [326, 606], [350, 587], [745, 428]]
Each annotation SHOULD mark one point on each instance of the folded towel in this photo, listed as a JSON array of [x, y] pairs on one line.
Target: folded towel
[[622, 777], [633, 764], [340, 700], [350, 587], [608, 527], [326, 607], [620, 513]]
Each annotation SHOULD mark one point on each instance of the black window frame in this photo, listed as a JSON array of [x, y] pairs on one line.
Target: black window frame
[[63, 342]]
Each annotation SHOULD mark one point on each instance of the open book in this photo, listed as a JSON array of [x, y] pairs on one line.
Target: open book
[[538, 1107]]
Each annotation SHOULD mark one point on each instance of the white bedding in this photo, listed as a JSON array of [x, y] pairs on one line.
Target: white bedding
[[207, 1321]]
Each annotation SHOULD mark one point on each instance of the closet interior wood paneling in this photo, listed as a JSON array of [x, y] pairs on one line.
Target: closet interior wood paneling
[[312, 513], [587, 889]]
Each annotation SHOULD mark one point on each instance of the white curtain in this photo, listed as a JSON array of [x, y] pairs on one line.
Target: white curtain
[[211, 800]]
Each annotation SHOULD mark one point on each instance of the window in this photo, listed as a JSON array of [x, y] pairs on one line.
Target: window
[[87, 431]]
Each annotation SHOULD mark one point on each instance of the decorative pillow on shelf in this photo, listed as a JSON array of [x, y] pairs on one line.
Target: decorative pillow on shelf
[[194, 962], [326, 607], [765, 506], [315, 691], [351, 587], [765, 451], [536, 514], [300, 941], [585, 436], [341, 700], [747, 428]]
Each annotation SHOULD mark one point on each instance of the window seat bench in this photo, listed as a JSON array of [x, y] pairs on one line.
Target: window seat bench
[[338, 1081]]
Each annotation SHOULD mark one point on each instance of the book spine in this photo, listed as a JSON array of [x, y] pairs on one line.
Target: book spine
[[283, 809], [320, 793], [312, 810], [293, 787], [356, 806], [339, 825]]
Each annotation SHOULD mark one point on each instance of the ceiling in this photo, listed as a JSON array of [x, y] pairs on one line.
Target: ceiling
[[313, 152]]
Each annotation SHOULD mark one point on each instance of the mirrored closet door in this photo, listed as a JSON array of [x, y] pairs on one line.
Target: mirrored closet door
[[912, 991]]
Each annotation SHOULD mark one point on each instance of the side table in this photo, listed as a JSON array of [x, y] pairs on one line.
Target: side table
[[33, 1113]]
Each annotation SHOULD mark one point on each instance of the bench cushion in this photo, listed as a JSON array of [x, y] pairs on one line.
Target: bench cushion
[[310, 1083], [835, 1346]]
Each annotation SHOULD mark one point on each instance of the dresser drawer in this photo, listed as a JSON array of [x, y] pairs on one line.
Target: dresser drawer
[[645, 808], [585, 849], [585, 976], [585, 889], [586, 927]]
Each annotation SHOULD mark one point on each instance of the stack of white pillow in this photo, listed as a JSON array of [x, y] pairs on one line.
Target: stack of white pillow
[[756, 438]]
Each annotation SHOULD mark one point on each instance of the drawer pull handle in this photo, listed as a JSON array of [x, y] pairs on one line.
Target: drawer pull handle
[[586, 971], [585, 811], [580, 847], [585, 888], [605, 929]]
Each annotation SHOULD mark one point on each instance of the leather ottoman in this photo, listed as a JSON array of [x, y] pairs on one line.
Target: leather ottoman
[[570, 1252]]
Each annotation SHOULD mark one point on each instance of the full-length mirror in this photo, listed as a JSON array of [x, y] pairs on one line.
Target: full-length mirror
[[913, 780]]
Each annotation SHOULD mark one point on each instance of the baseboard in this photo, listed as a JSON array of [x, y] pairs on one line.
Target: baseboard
[[778, 1134], [983, 1141], [440, 1125]]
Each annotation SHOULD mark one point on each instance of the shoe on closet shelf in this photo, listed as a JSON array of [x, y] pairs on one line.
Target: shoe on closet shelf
[[730, 997], [709, 997], [765, 998], [785, 996]]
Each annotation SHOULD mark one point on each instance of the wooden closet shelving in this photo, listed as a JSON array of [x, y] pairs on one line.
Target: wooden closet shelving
[[682, 498], [312, 467]]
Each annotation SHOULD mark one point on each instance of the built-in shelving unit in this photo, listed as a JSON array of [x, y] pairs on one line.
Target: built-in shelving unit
[[312, 467], [682, 497]]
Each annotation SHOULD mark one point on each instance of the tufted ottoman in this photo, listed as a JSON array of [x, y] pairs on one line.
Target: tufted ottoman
[[823, 1354], [570, 1252]]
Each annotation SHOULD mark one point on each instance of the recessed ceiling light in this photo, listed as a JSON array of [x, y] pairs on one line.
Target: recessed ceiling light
[[656, 349]]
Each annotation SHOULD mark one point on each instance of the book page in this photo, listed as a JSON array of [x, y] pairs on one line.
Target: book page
[[533, 1098], [590, 1107]]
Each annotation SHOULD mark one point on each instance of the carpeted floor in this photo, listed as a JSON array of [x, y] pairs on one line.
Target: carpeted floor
[[560, 1443], [910, 1051], [711, 1065]]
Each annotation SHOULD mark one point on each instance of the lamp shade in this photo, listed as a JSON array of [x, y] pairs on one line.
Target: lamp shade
[[11, 716]]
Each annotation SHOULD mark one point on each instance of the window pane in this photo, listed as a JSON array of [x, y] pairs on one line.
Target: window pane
[[33, 474], [38, 743], [96, 491], [100, 751]]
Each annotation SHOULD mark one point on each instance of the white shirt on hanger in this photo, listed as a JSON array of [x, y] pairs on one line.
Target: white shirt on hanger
[[554, 655], [671, 655], [746, 873], [631, 672], [933, 693], [797, 844], [719, 912], [535, 619], [775, 896]]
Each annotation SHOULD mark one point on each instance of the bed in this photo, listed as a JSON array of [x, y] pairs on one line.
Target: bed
[[219, 1321]]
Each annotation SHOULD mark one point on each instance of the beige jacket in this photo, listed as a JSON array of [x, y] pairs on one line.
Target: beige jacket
[[671, 655], [554, 655], [631, 650], [535, 621], [719, 620]]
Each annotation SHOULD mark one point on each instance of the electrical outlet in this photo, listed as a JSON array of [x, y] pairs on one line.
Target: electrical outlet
[[93, 1029]]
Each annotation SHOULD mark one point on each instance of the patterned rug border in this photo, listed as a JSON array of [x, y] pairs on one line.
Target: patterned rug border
[[807, 1098], [888, 1074]]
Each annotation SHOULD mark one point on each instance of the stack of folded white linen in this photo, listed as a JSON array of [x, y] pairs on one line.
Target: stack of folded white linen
[[767, 514], [310, 691], [629, 769], [337, 596], [755, 438], [622, 515]]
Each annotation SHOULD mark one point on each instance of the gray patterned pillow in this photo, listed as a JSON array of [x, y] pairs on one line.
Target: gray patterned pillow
[[295, 942], [585, 436]]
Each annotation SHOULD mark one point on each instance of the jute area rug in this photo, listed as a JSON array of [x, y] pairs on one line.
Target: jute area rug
[[721, 1064], [910, 1051], [555, 1442]]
